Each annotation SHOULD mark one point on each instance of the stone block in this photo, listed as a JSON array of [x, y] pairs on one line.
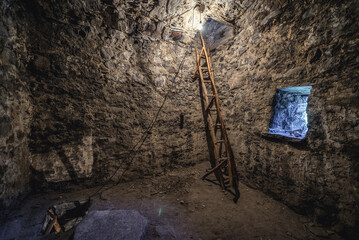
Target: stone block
[[112, 224]]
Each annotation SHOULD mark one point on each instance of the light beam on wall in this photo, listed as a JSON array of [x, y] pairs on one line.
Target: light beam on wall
[[200, 26]]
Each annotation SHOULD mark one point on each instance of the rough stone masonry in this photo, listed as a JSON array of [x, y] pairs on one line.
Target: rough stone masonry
[[81, 81]]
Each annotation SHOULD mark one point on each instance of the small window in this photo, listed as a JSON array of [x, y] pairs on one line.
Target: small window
[[290, 112]]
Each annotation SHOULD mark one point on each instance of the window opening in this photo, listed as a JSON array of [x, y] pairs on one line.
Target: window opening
[[290, 116]]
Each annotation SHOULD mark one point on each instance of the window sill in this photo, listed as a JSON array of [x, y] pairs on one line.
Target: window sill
[[295, 142]]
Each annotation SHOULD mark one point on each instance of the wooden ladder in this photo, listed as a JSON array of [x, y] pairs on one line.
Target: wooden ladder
[[220, 151]]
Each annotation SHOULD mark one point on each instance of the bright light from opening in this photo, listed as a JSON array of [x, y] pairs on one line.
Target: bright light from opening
[[200, 27]]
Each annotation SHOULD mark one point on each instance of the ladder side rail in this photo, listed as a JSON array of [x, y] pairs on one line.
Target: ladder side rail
[[210, 143], [209, 117], [196, 57], [219, 115], [215, 93], [229, 152], [210, 71], [212, 80], [209, 122], [198, 62], [230, 157]]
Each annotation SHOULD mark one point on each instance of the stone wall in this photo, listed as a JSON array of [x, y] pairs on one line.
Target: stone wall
[[96, 74], [82, 80], [280, 44], [100, 70], [15, 107]]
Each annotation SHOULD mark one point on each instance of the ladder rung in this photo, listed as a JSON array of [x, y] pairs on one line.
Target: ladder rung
[[211, 109], [219, 141], [210, 95], [206, 81], [208, 108], [223, 158]]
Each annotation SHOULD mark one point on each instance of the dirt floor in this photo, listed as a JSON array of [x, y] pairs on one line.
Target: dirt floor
[[178, 205]]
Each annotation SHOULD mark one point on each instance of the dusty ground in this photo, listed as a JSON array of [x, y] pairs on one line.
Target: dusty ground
[[179, 206]]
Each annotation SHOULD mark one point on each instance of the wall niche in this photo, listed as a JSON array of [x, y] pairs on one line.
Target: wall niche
[[289, 116]]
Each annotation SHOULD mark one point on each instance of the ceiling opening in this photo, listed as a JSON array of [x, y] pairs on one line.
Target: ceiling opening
[[216, 33]]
